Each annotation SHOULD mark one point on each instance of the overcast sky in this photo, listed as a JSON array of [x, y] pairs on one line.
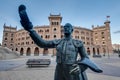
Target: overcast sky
[[82, 13]]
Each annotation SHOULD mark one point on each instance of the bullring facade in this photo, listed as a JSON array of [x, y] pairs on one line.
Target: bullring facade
[[96, 40]]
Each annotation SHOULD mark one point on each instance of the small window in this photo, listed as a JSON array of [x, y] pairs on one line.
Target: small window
[[62, 36], [46, 36], [54, 36], [32, 42], [5, 44], [6, 34], [76, 31], [11, 35], [84, 42], [103, 42], [95, 33], [54, 29], [41, 36], [102, 33], [87, 33], [5, 38], [11, 39], [57, 23], [82, 32]]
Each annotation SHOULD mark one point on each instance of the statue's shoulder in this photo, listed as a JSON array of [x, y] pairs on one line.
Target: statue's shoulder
[[57, 41], [77, 43]]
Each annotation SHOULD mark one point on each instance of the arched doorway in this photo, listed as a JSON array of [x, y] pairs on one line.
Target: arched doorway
[[28, 52], [98, 52], [104, 51], [45, 51], [16, 49], [88, 51], [93, 51], [21, 51], [54, 52], [36, 51]]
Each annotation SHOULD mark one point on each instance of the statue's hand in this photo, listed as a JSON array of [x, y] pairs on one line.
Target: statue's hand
[[75, 69], [25, 22]]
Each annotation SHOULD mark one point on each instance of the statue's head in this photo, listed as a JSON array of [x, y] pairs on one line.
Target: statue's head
[[68, 28]]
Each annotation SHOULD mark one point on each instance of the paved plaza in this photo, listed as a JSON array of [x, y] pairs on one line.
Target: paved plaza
[[17, 70]]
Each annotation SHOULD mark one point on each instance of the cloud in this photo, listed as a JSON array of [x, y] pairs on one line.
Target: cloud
[[117, 31]]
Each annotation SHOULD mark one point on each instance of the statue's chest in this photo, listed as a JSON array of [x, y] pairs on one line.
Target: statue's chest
[[65, 47]]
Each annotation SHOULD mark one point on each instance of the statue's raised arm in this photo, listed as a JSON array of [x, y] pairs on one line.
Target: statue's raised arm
[[27, 25], [25, 22]]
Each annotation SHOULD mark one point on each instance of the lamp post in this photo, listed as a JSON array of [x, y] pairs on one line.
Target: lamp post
[[108, 51], [118, 51]]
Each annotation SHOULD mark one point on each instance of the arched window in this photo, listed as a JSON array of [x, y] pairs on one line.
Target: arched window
[[62, 36], [54, 36], [32, 42], [103, 42], [83, 32], [57, 23], [102, 33], [54, 29], [11, 39], [5, 45], [6, 34], [76, 31], [5, 38], [12, 35], [87, 33]]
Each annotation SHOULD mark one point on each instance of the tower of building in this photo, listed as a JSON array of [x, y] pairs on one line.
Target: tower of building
[[9, 36], [108, 36], [102, 38], [55, 26]]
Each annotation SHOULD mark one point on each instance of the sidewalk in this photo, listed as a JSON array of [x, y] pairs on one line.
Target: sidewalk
[[110, 65]]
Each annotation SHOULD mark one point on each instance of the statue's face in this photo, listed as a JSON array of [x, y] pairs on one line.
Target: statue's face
[[68, 28]]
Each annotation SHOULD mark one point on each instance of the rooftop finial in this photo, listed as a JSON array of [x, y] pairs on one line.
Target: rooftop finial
[[4, 25], [108, 20], [108, 17], [92, 26]]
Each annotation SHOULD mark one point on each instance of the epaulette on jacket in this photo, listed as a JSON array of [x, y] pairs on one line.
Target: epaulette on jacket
[[57, 41], [77, 43]]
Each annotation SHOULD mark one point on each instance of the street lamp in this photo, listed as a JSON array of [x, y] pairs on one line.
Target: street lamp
[[118, 51], [108, 51]]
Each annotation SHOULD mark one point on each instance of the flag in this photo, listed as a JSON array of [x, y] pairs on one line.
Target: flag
[[108, 16]]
